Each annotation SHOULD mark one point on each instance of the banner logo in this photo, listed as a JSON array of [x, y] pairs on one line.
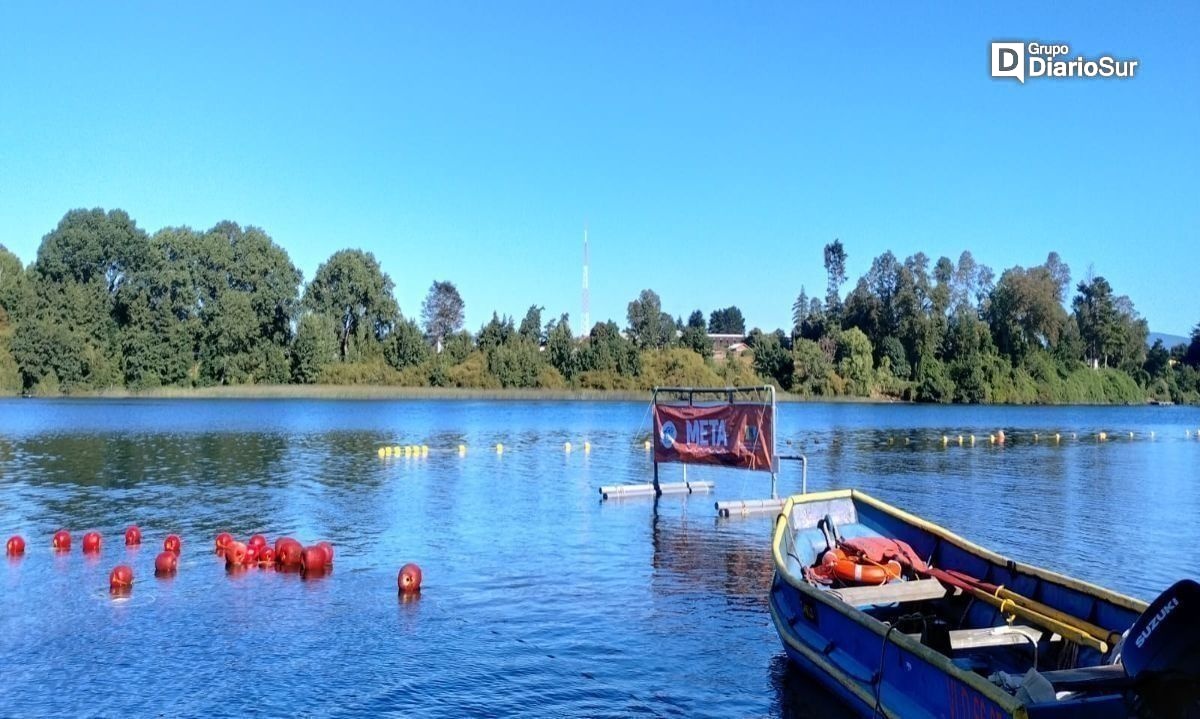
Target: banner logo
[[668, 434]]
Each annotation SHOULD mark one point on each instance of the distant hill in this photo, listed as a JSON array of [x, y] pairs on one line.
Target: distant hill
[[1168, 341]]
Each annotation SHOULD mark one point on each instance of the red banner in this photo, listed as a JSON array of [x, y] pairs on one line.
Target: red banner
[[741, 436]]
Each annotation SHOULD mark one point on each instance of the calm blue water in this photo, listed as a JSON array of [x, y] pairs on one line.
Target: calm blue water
[[539, 600]]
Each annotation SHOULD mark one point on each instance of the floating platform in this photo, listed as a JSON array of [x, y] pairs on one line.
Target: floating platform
[[749, 507], [617, 491]]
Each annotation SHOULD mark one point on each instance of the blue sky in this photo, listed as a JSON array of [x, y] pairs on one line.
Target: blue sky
[[712, 148]]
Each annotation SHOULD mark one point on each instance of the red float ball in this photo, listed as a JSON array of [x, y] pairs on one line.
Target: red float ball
[[288, 553], [61, 540], [166, 563], [266, 557], [120, 581], [223, 541], [328, 548], [257, 541], [91, 543], [172, 543], [15, 546], [312, 559], [251, 555], [133, 536], [235, 554], [409, 579]]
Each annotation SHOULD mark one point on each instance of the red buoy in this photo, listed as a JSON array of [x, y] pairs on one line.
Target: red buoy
[[165, 563], [223, 541], [328, 548], [15, 546], [91, 543], [312, 559], [133, 536], [251, 555], [288, 552], [61, 541], [257, 541], [409, 579], [235, 554], [172, 543], [120, 581], [266, 557]]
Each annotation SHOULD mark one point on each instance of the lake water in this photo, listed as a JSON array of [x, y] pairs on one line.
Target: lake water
[[538, 599]]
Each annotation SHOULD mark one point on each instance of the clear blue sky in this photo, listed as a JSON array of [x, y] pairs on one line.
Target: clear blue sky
[[712, 148]]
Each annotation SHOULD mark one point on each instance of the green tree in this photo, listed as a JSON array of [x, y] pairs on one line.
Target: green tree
[[854, 361], [1192, 356], [811, 369], [799, 312], [649, 326], [516, 363], [727, 321], [405, 346], [352, 288], [495, 332], [1025, 311], [694, 336], [561, 350], [314, 348], [773, 361], [442, 312], [835, 269], [531, 325]]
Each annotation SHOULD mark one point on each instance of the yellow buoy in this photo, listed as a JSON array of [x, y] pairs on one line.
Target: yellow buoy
[[646, 445], [1035, 437], [1131, 435], [462, 449], [387, 451], [1057, 436], [424, 450], [407, 451], [991, 439], [972, 440], [587, 447], [945, 439], [567, 447], [499, 448], [960, 440], [1103, 436], [380, 452]]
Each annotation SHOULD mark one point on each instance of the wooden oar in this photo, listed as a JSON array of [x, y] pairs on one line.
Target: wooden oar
[[1106, 635], [1064, 629]]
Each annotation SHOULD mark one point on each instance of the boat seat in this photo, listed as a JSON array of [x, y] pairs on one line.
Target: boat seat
[[891, 593], [991, 636]]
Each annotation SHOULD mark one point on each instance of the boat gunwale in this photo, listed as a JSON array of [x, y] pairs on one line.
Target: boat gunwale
[[994, 693]]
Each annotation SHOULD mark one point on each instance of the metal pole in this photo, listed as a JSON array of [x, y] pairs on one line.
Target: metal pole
[[804, 474]]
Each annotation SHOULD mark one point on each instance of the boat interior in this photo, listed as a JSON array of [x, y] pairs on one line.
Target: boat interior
[[985, 613]]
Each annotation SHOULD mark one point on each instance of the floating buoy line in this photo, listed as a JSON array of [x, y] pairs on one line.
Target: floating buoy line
[[287, 554]]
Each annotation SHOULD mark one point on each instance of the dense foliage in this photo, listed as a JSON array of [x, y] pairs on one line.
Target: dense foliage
[[106, 305]]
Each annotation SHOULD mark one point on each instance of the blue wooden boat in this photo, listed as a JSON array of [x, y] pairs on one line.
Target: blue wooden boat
[[973, 634]]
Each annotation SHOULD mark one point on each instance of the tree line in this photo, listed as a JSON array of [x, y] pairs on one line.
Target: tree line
[[105, 305]]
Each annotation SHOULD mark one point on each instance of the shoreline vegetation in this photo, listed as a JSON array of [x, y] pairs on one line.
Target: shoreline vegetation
[[108, 310]]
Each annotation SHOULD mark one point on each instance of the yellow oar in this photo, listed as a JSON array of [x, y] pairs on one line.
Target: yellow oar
[[1064, 625]]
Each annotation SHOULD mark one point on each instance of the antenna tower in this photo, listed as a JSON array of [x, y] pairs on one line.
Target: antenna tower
[[587, 300]]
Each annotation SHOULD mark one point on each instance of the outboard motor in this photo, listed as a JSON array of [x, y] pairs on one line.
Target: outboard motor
[[1161, 654]]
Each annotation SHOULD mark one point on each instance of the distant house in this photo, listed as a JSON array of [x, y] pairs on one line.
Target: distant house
[[723, 345]]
